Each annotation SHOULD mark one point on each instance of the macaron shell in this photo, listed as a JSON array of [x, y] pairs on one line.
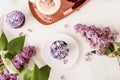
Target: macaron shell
[[15, 19]]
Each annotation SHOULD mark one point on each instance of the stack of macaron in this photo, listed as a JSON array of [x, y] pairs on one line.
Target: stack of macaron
[[15, 19]]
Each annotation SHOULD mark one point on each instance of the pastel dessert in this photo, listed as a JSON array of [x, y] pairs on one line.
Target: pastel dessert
[[15, 19], [48, 7], [59, 49]]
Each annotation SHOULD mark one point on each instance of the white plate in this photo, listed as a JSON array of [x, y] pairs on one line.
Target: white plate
[[59, 64]]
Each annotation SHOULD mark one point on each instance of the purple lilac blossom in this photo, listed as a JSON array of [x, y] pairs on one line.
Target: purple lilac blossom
[[5, 75], [65, 61], [98, 39], [88, 56], [23, 57], [59, 49]]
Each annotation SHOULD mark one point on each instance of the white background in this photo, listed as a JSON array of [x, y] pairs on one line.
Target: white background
[[99, 12]]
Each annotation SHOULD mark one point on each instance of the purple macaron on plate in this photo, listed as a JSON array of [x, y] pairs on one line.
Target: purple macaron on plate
[[60, 52]]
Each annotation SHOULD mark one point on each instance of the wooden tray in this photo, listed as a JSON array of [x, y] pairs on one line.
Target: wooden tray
[[65, 9]]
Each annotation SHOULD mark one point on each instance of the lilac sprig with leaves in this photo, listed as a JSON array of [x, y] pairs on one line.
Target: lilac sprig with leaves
[[14, 58], [111, 51], [101, 40]]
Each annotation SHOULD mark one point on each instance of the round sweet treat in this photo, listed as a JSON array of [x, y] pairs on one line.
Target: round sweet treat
[[15, 19], [59, 49], [60, 52]]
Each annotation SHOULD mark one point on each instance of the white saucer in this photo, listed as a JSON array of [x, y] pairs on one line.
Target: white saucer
[[72, 55]]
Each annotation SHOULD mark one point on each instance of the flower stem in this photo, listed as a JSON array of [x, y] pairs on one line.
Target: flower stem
[[118, 60]]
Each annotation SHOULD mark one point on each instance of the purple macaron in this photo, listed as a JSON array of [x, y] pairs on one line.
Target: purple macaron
[[59, 49], [15, 19]]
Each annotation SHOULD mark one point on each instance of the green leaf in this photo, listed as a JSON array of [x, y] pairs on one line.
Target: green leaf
[[1, 68], [16, 45], [40, 74], [3, 42], [107, 51], [111, 47], [94, 51], [118, 53], [24, 74], [118, 49], [9, 55], [117, 43], [44, 72]]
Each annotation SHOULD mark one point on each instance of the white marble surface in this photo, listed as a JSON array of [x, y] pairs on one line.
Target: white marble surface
[[99, 12]]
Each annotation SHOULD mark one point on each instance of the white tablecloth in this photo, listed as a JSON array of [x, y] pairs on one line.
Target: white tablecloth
[[99, 12]]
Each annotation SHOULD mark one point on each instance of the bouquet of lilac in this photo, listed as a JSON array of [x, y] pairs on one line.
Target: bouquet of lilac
[[99, 39], [14, 58], [18, 61]]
